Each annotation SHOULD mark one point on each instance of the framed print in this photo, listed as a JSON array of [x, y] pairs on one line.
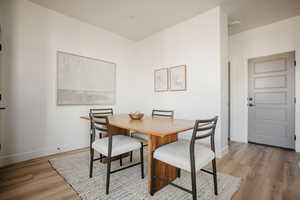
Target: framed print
[[161, 80], [177, 78], [84, 80]]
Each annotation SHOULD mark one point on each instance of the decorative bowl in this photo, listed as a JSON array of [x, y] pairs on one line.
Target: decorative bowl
[[136, 116]]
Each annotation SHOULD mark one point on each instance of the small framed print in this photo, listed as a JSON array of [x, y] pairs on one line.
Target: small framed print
[[161, 80], [177, 77]]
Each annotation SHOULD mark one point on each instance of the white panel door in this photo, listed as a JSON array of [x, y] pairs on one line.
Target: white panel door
[[271, 102]]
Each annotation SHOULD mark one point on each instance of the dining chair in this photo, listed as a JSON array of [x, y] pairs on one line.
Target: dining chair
[[112, 146], [100, 112], [189, 155], [155, 113], [188, 136]]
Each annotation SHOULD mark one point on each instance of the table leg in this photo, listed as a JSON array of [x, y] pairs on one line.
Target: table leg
[[162, 170]]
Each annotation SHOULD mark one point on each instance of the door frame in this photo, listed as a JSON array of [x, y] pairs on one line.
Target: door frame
[[229, 102], [293, 93], [1, 96]]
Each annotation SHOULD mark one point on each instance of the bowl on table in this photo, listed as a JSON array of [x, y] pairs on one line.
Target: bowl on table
[[136, 116]]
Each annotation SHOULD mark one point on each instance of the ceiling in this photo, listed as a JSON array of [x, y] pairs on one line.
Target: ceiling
[[138, 19], [255, 13]]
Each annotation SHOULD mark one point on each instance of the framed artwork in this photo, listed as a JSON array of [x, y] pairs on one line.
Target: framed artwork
[[177, 77], [161, 80], [85, 81]]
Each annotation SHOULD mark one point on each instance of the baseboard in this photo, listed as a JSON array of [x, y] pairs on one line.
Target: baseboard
[[20, 157], [267, 145], [238, 140]]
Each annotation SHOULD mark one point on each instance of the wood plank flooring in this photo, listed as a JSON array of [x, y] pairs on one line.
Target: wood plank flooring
[[268, 174]]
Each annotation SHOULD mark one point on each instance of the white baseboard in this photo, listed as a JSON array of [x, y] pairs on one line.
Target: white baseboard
[[19, 157], [239, 140]]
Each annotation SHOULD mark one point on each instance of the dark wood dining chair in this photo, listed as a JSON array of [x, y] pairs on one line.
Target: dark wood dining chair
[[155, 113], [100, 112], [189, 155], [111, 146]]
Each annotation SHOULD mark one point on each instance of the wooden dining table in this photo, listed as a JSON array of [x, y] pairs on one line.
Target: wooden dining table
[[160, 131]]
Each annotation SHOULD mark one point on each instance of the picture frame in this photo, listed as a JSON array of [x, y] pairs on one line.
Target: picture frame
[[177, 78], [161, 80], [78, 81]]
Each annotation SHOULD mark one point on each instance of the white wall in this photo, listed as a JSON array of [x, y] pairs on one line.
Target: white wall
[[34, 125], [283, 36], [224, 78], [201, 44]]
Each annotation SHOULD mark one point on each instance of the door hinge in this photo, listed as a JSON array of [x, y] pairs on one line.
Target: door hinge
[[295, 63], [295, 137], [0, 47], [295, 100]]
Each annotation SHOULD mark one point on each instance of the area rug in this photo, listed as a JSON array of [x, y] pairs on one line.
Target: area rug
[[128, 185]]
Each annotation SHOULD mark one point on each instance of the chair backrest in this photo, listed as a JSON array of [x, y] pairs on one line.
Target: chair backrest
[[208, 128], [99, 123], [163, 113], [102, 111]]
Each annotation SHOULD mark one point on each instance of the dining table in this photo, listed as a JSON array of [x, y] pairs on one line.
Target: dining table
[[160, 131]]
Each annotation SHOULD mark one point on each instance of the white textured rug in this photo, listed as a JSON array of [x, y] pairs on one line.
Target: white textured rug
[[128, 185]]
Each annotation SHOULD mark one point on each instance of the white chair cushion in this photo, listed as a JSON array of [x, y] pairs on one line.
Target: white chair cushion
[[178, 154], [120, 144], [140, 135]]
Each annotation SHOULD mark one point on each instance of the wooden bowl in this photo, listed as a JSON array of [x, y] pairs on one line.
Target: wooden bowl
[[136, 116]]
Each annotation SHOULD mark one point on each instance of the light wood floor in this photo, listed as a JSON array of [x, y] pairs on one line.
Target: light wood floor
[[268, 174]]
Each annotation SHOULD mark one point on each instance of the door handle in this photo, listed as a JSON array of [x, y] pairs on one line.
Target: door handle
[[2, 108], [251, 104]]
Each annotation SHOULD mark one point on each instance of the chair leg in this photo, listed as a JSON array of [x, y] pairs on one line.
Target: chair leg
[[121, 162], [91, 142], [142, 160], [131, 156], [152, 189], [108, 174], [194, 184], [215, 176], [101, 156], [91, 162]]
